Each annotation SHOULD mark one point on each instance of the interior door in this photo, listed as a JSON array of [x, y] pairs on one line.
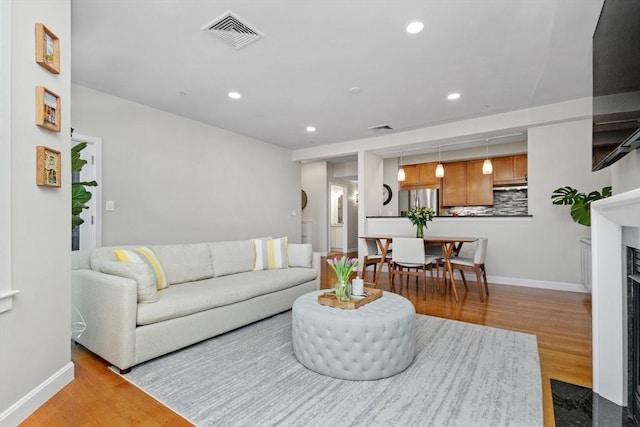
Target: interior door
[[89, 234]]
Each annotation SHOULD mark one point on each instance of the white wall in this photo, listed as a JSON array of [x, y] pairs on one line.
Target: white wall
[[314, 183], [626, 173], [35, 347], [175, 180]]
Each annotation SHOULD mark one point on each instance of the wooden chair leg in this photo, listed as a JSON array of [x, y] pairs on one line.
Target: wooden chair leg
[[480, 284], [464, 280], [391, 278], [486, 284], [424, 283]]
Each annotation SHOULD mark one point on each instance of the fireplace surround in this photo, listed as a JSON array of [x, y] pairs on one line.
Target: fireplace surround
[[615, 225]]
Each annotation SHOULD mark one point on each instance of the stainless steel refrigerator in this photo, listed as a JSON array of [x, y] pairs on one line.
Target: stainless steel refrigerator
[[412, 198]]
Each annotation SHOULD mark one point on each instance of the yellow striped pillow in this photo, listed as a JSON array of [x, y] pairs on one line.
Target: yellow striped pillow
[[144, 255], [271, 253]]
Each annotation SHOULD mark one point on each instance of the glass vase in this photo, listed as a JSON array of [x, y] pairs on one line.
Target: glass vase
[[343, 290], [419, 231]]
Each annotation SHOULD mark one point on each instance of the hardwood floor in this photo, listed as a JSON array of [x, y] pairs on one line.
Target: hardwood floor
[[560, 320]]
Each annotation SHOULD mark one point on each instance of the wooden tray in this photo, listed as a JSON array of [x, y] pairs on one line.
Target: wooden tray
[[329, 298]]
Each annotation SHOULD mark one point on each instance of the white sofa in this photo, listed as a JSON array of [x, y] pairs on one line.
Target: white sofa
[[213, 288]]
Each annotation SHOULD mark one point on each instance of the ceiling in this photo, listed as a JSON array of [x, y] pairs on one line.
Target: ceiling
[[500, 55]]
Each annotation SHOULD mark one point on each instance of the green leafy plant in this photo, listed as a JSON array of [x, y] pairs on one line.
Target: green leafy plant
[[580, 202], [79, 193], [419, 215]]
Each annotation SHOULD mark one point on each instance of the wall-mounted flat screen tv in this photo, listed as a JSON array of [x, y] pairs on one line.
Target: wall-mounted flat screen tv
[[616, 82]]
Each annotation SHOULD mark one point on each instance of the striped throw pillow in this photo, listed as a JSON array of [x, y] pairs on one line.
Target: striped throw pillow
[[144, 255], [271, 253]]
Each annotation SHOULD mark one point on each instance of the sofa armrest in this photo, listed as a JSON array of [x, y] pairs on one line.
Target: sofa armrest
[[315, 264], [108, 305]]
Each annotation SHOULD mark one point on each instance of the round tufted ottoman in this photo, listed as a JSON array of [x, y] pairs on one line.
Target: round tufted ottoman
[[375, 341]]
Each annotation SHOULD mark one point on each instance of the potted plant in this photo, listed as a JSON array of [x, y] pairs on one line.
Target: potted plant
[[419, 216], [79, 193], [580, 202]]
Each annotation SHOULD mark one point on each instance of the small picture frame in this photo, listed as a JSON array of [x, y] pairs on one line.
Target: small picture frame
[[47, 49], [48, 169], [47, 109]]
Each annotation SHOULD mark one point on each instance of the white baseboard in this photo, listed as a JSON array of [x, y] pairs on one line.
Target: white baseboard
[[517, 281], [26, 406], [541, 284]]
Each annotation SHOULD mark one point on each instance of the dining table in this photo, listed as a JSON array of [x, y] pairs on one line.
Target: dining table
[[451, 246]]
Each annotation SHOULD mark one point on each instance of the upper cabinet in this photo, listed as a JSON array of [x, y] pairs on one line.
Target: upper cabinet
[[422, 175], [464, 184], [510, 170]]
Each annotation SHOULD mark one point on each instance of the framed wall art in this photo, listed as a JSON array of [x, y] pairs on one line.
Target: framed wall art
[[47, 109], [47, 49], [48, 169]]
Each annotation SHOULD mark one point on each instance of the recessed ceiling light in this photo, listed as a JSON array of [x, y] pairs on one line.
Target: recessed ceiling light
[[234, 95], [355, 90], [453, 96], [311, 129], [415, 27]]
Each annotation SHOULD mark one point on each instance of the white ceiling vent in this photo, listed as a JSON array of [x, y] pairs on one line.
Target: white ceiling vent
[[380, 127], [232, 30]]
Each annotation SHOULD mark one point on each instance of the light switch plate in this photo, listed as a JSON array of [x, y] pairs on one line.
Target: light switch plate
[[110, 205]]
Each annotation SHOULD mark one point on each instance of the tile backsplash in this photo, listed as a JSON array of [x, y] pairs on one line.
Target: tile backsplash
[[505, 202]]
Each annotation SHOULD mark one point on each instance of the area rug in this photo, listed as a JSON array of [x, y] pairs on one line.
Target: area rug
[[462, 375]]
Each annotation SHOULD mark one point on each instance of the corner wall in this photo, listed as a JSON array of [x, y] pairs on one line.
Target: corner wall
[[35, 334], [175, 180]]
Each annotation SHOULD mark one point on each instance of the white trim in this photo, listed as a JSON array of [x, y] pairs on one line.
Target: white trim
[[6, 290], [95, 230], [24, 407], [526, 283], [540, 284]]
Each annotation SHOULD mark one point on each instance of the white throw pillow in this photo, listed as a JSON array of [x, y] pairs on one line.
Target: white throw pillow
[[300, 255], [141, 273]]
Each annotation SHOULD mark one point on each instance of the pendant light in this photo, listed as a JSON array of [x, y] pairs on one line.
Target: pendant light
[[401, 174], [439, 168], [487, 166]]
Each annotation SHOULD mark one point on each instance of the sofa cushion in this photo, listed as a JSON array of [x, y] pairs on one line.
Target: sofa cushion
[[188, 298], [300, 255], [232, 257], [185, 263], [143, 255], [105, 254], [141, 273], [271, 253]]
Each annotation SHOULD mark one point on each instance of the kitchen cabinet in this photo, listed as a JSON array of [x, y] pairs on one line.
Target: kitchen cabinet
[[412, 176], [510, 170], [465, 185], [422, 175]]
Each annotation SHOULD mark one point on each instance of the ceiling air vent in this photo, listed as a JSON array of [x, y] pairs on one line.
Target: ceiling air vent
[[380, 127], [232, 30]]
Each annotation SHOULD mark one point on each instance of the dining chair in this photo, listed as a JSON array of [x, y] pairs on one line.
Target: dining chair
[[409, 259], [372, 257], [475, 265], [435, 250]]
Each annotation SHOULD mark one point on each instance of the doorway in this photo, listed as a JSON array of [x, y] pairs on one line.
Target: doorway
[[338, 218], [89, 234]]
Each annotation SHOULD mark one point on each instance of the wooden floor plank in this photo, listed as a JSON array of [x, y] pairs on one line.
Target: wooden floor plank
[[560, 320]]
